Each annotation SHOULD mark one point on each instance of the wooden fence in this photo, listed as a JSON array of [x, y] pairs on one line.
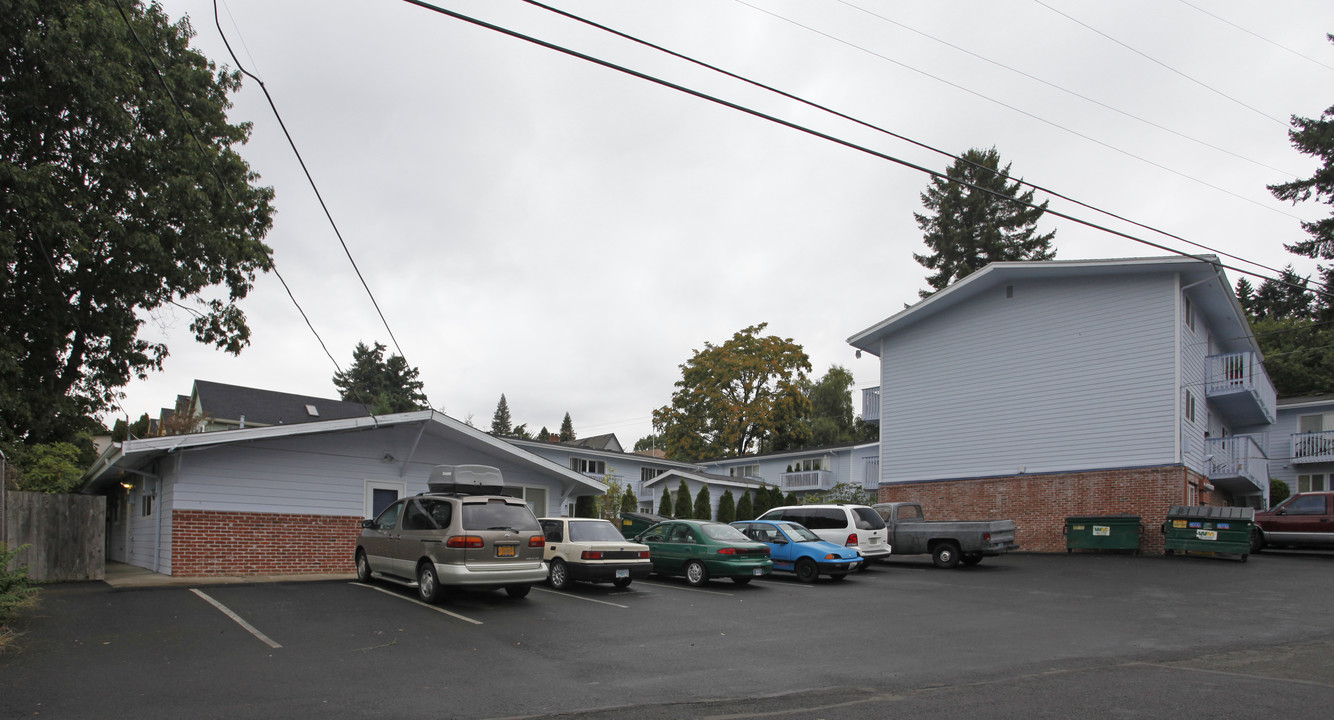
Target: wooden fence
[[65, 535]]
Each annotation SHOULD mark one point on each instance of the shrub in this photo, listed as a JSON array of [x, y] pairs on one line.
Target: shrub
[[1278, 492], [14, 588], [665, 507], [727, 508], [683, 508], [744, 510], [703, 504], [763, 502], [628, 502], [790, 499], [586, 506]]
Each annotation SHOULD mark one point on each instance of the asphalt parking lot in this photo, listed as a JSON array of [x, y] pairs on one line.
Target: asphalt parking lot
[[1023, 636]]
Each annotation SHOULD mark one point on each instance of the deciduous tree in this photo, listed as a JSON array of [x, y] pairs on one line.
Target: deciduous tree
[[114, 206], [967, 227]]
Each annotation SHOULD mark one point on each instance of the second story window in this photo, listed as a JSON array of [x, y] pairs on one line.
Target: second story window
[[1187, 312], [648, 473], [1190, 406], [588, 467], [745, 471]]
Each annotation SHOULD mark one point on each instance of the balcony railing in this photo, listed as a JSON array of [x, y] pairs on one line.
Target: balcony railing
[[1313, 447], [1239, 387], [871, 404], [806, 480], [1238, 464]]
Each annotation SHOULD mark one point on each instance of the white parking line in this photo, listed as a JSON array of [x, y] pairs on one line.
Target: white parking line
[[686, 589], [580, 597], [225, 611], [419, 602]]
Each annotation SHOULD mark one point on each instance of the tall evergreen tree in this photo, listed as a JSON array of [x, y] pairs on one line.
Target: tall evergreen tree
[[1314, 137], [665, 507], [965, 228], [628, 502], [727, 508], [683, 508], [385, 385], [744, 509], [567, 429], [500, 421], [703, 504]]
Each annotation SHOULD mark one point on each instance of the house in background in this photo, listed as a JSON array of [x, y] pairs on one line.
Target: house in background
[[231, 407], [290, 498], [598, 461], [808, 471], [1040, 390], [1301, 445], [696, 479]]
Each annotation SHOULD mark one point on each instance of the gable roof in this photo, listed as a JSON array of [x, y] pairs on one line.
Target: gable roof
[[132, 456], [1212, 294], [607, 441], [709, 479], [230, 403]]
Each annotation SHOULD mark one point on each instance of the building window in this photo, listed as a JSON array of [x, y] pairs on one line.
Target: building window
[[588, 467], [648, 473], [808, 465], [752, 471], [1311, 483], [1190, 406], [147, 504], [1187, 313], [536, 497]]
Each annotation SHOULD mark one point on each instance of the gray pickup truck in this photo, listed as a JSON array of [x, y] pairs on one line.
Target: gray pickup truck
[[949, 542]]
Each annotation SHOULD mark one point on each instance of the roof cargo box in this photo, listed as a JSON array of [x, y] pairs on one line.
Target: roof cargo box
[[466, 480]]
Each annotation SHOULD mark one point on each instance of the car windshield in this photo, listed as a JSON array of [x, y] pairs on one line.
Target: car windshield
[[498, 515], [594, 530], [799, 533], [868, 519], [726, 533]]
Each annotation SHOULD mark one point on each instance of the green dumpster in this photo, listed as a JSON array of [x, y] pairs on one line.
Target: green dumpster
[[1103, 532], [1191, 528], [633, 523]]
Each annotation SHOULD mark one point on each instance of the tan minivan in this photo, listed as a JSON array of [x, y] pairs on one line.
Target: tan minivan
[[463, 533]]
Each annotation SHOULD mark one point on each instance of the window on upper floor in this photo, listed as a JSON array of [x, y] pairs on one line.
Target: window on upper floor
[[808, 465], [1312, 483], [1190, 406], [745, 471], [593, 467], [1187, 312], [1315, 423], [648, 473]]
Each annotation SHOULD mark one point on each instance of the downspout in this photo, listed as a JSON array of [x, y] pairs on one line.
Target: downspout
[[157, 539], [4, 491]]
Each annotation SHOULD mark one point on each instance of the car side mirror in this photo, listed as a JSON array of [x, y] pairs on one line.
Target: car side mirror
[[368, 523], [1281, 512], [780, 541]]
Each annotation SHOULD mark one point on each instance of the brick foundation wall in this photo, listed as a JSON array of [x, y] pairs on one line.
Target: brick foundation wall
[[1039, 504], [208, 543]]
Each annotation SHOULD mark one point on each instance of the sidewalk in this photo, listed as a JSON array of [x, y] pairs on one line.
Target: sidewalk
[[122, 575]]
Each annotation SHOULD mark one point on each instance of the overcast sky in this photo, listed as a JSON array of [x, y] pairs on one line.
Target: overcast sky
[[536, 225]]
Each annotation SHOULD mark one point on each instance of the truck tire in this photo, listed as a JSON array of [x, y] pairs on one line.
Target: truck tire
[[946, 555], [971, 558], [1257, 540]]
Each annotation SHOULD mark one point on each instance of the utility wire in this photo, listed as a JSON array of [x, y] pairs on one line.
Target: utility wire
[[1256, 35], [313, 186], [1023, 112], [1162, 64], [825, 136], [221, 183], [878, 128], [1065, 90]]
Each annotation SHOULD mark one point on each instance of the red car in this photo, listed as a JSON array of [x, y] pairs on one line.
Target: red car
[[1303, 520]]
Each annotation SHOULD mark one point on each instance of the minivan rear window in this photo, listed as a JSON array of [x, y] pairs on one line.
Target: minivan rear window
[[868, 519], [498, 516]]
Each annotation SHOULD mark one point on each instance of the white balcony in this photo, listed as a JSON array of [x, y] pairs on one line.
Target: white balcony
[[871, 404], [1238, 386], [1313, 447], [806, 480], [1237, 464]]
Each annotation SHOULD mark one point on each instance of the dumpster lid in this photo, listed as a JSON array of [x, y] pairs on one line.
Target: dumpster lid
[[1209, 512], [1102, 519]]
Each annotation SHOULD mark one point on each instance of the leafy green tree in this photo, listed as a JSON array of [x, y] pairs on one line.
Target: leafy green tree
[[703, 506], [586, 506], [500, 421], [110, 209], [744, 509], [965, 228], [1278, 492], [609, 503], [1298, 355], [386, 386], [137, 430], [845, 493], [521, 432], [649, 442], [731, 397], [727, 507], [665, 507], [567, 429], [51, 468], [683, 508]]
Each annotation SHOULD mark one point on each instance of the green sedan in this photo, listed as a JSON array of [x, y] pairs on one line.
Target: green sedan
[[700, 550]]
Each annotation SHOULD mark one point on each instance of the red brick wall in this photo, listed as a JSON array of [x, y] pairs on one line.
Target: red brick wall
[[1039, 504], [207, 543]]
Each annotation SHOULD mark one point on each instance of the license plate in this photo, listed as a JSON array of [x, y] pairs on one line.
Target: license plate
[[758, 571], [505, 551], [623, 573], [1206, 534]]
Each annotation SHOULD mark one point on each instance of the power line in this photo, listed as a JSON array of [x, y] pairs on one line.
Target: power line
[[1023, 112], [313, 186], [878, 128], [815, 133], [1162, 64], [1256, 35]]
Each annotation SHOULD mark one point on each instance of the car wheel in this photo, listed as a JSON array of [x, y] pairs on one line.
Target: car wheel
[[559, 575], [971, 558], [621, 582], [696, 573], [741, 580], [1257, 541], [838, 577], [807, 570], [945, 555], [428, 585], [363, 567], [517, 591]]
